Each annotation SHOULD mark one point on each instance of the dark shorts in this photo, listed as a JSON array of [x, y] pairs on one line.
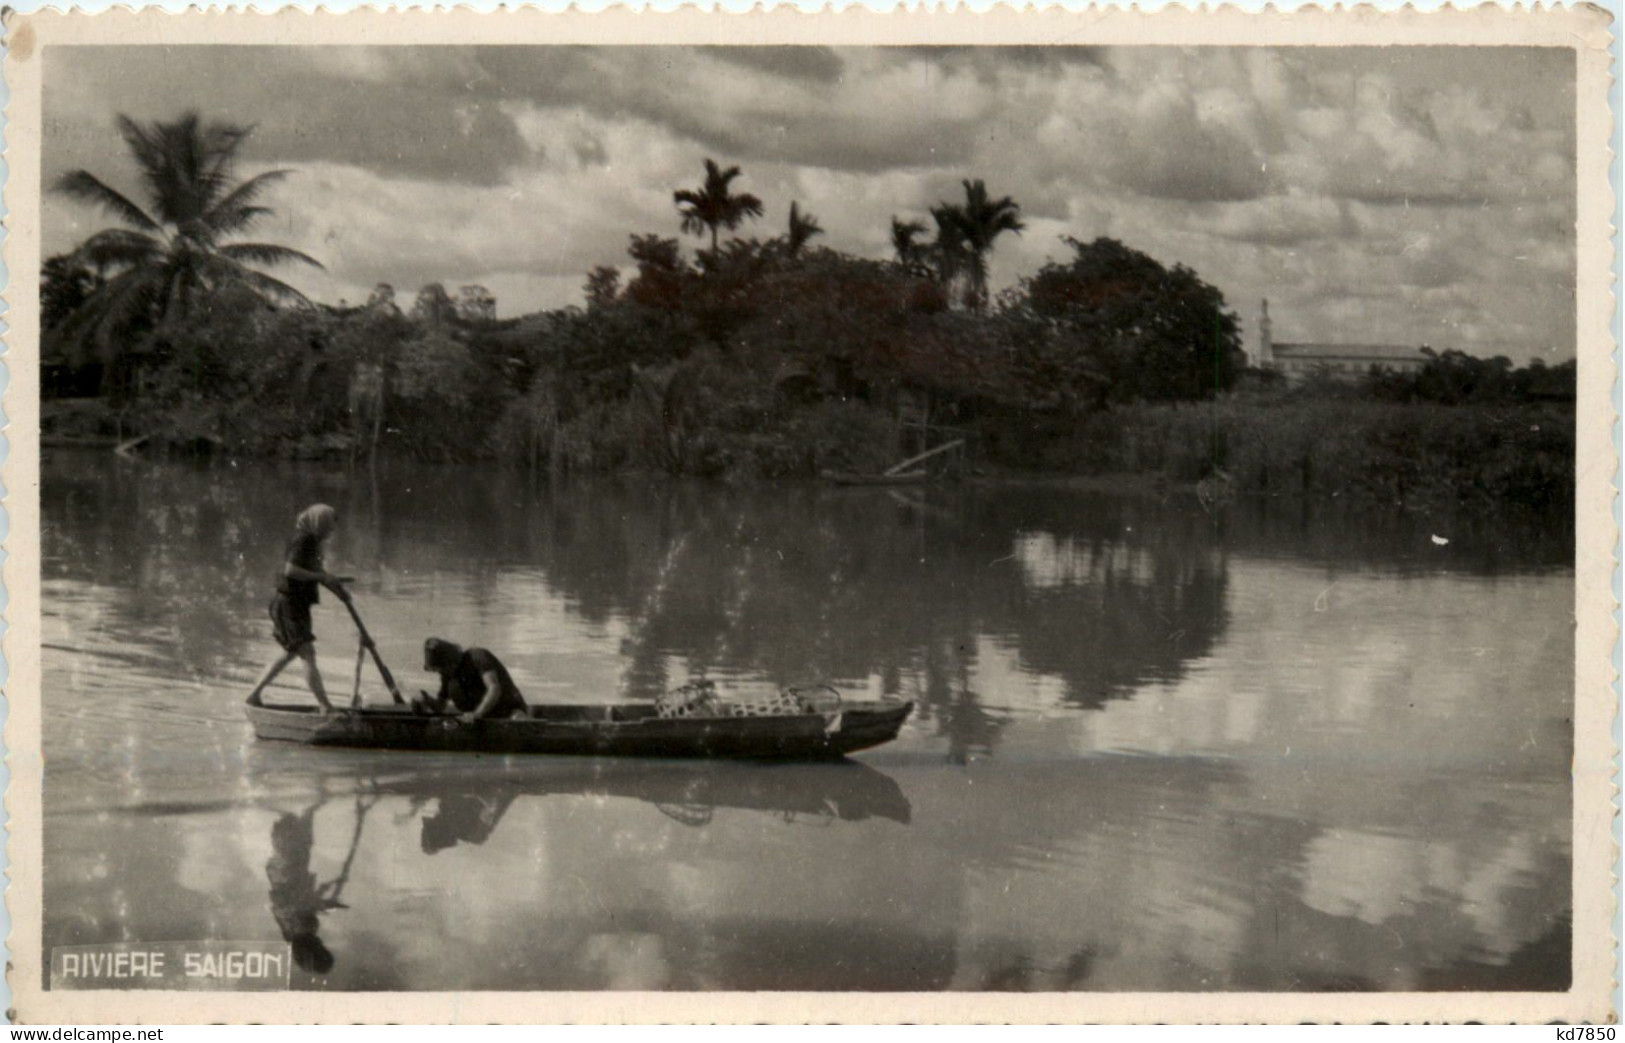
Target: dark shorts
[[290, 622]]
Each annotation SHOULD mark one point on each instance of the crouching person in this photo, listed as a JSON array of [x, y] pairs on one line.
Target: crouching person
[[473, 684]]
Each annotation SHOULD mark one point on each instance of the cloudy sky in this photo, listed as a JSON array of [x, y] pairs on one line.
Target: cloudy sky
[[1406, 195]]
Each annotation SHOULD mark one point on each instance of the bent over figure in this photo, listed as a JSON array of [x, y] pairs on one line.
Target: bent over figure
[[473, 683]]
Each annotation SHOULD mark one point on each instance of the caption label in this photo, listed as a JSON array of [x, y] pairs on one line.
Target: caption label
[[215, 966]]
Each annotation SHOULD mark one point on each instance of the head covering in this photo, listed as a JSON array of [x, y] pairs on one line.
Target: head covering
[[443, 656], [317, 520], [311, 955]]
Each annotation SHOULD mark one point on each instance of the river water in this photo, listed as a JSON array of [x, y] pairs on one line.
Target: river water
[[1276, 746]]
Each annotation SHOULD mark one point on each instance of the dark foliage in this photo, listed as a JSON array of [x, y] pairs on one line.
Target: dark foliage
[[1115, 325], [176, 254], [757, 359], [65, 285], [1454, 378]]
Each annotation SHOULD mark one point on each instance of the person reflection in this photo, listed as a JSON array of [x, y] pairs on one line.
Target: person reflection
[[468, 818], [297, 900]]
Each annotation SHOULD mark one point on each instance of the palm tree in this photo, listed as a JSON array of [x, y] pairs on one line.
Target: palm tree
[[904, 236], [948, 251], [173, 251], [802, 228], [714, 205], [982, 220]]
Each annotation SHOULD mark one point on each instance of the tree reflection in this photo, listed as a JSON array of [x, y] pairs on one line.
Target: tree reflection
[[785, 586], [799, 585], [778, 586]]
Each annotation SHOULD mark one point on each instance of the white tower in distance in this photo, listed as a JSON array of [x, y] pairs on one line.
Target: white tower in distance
[[1266, 349]]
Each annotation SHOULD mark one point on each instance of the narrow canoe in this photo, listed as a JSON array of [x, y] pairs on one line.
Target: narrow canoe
[[611, 731], [848, 478]]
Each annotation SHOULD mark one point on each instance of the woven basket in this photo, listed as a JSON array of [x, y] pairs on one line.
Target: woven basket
[[700, 699]]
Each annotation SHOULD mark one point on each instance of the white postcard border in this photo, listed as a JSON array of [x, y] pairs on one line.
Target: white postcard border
[[1583, 28]]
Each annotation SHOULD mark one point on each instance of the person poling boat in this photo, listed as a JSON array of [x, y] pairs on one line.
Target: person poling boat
[[473, 684], [297, 590]]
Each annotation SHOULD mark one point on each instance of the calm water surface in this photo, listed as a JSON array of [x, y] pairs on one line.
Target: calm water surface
[[1283, 747]]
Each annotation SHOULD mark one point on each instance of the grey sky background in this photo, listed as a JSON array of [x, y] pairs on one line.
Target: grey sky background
[[1406, 195]]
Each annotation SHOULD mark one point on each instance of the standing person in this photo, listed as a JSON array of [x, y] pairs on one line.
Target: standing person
[[473, 683], [296, 592]]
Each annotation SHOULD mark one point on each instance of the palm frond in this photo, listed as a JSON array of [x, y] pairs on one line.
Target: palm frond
[[185, 155], [267, 253], [157, 173], [269, 286], [223, 141], [803, 228], [904, 236], [119, 247], [236, 210], [740, 207], [186, 164], [240, 219], [220, 270], [87, 333], [87, 187], [717, 179], [713, 205]]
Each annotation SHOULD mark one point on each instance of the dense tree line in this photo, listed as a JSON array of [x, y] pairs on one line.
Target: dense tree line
[[749, 356], [1454, 378], [771, 356]]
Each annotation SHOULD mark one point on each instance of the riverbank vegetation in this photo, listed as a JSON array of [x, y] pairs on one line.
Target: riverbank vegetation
[[753, 356]]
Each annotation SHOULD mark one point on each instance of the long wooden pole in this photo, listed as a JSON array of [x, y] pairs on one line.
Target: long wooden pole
[[366, 641], [928, 454]]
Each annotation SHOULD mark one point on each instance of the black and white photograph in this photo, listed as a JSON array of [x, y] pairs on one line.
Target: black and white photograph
[[628, 516]]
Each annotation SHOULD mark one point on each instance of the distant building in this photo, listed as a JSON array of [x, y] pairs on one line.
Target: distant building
[[1298, 361]]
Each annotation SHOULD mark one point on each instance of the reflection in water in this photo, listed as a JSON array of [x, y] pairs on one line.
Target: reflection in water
[[297, 901], [455, 807], [467, 818], [1156, 748]]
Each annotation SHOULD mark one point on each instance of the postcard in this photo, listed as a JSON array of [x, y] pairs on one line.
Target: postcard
[[1080, 516]]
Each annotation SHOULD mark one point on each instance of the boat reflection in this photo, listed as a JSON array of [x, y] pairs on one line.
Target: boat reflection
[[464, 805]]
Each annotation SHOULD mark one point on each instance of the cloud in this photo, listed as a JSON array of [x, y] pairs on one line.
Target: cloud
[[1373, 194], [990, 64], [1169, 149], [1452, 145], [304, 104], [778, 105], [819, 64], [1292, 219]]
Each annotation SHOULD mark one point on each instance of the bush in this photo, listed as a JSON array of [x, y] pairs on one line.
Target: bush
[[1370, 450]]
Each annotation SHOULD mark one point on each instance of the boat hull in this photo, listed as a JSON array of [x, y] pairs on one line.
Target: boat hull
[[847, 478], [597, 731]]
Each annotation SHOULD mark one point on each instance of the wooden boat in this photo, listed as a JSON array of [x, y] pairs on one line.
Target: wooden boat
[[909, 472], [848, 478], [636, 730]]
